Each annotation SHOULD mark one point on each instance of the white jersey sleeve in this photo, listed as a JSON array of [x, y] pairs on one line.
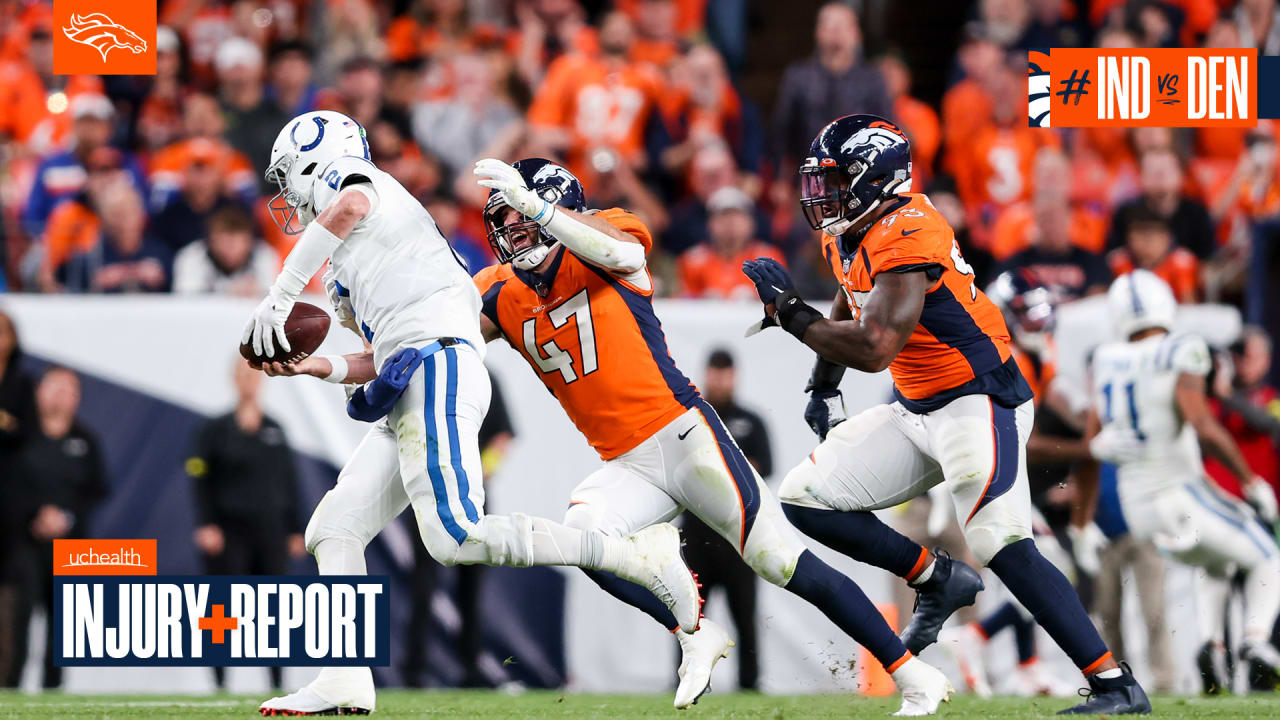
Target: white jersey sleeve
[[347, 171], [1189, 354]]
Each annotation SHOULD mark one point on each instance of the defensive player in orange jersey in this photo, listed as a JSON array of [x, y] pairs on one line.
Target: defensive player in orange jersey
[[573, 295], [962, 414]]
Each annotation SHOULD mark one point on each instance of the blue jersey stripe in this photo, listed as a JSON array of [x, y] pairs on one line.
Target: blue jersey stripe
[[438, 487], [641, 307], [743, 476], [946, 319], [451, 417], [1005, 428], [489, 303]]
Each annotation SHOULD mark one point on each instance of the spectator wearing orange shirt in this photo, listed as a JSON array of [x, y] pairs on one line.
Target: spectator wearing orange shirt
[[35, 101], [656, 41], [916, 117], [703, 108], [125, 258], [202, 191], [547, 30], [713, 269], [996, 167], [202, 126], [968, 105], [592, 108], [1149, 245], [1014, 228]]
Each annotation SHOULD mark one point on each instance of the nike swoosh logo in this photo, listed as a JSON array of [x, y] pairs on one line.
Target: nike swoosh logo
[[686, 432], [908, 232]]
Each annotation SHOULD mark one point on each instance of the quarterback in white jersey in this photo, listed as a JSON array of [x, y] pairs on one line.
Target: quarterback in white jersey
[[1150, 416], [396, 281]]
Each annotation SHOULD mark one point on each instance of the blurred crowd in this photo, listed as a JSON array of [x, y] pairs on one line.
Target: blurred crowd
[[153, 184]]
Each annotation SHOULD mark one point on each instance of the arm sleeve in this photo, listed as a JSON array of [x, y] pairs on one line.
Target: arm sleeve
[[599, 248]]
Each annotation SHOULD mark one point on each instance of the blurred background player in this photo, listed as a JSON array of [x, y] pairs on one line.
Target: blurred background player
[[717, 565], [246, 492], [1150, 407]]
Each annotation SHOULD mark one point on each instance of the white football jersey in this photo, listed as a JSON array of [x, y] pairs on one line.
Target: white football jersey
[[1133, 394], [405, 283]]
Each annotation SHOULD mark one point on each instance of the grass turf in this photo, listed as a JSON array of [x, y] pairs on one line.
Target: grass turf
[[542, 704]]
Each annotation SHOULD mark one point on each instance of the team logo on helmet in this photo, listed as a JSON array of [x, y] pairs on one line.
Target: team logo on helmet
[[553, 182], [878, 137], [103, 34]]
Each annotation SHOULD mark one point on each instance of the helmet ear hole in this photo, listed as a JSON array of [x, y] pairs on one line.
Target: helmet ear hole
[[309, 169]]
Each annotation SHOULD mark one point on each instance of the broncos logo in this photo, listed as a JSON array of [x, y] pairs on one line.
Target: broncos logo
[[103, 34]]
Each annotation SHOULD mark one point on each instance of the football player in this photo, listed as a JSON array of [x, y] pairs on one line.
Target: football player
[[573, 295], [399, 283], [962, 413], [1150, 416]]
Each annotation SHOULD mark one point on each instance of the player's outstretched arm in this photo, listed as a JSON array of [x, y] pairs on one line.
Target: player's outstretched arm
[[356, 368], [317, 242], [590, 238], [488, 330]]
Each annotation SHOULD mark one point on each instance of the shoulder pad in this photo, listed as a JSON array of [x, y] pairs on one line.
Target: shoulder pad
[[330, 180], [1186, 353]]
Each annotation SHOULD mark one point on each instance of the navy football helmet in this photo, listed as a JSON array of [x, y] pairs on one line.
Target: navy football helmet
[[1028, 307], [854, 164], [511, 243]]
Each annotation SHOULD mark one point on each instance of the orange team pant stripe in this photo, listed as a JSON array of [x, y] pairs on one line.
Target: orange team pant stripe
[[921, 563], [1093, 666], [893, 667]]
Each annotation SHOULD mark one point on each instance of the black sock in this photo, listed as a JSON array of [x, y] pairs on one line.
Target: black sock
[[637, 596], [862, 536], [1042, 589], [1003, 617], [844, 604], [1024, 633]]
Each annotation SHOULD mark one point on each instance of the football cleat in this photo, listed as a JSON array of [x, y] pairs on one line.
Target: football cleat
[[699, 653], [656, 563], [307, 702], [1112, 696], [952, 585], [923, 688], [965, 645], [1264, 654]]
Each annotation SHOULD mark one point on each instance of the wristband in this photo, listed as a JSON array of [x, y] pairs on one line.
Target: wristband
[[794, 315], [338, 374], [826, 375], [548, 210]]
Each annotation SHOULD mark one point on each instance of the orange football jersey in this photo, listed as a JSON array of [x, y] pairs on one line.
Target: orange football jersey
[[960, 341], [594, 341], [1037, 371]]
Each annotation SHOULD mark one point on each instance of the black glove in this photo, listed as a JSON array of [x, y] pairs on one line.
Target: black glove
[[774, 286], [824, 411]]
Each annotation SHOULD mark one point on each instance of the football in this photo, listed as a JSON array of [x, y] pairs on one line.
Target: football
[[305, 329]]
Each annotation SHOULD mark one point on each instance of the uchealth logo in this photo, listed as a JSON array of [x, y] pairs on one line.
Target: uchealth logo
[[1165, 87], [93, 37], [106, 613], [104, 557]]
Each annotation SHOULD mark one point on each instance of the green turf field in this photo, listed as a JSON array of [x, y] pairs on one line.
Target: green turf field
[[456, 704]]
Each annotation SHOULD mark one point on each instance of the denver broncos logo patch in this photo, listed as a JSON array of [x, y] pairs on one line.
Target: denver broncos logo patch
[[104, 34]]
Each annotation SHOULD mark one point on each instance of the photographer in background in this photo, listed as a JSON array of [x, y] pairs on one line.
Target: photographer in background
[[246, 492], [61, 479]]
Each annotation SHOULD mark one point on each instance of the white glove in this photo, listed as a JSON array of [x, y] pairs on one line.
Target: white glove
[[497, 175], [1258, 493], [1116, 447], [266, 324], [1086, 544]]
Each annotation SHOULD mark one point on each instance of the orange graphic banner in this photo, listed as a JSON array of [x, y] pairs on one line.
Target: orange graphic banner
[[93, 37], [1164, 87], [104, 557]]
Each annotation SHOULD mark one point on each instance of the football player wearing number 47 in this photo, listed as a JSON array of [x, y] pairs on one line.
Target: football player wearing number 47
[[573, 295], [963, 410]]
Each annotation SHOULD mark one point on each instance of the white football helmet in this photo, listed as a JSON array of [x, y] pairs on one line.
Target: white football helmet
[[1141, 301], [305, 147]]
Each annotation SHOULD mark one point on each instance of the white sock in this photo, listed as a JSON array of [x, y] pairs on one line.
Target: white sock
[[924, 574], [1261, 600], [340, 556], [1114, 672], [556, 544], [603, 552]]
